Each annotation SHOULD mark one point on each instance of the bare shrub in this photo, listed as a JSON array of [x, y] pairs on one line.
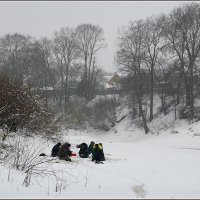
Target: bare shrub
[[22, 154]]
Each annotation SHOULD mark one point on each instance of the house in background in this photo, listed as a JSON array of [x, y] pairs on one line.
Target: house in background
[[111, 85], [114, 82]]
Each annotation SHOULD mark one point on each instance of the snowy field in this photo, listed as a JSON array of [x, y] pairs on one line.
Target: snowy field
[[162, 165]]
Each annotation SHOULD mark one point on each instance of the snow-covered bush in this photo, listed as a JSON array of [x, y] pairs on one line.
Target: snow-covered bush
[[19, 105], [100, 113], [104, 113], [78, 116], [184, 113]]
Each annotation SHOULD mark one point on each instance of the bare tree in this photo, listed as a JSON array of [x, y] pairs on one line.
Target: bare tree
[[66, 50], [49, 63], [153, 44], [176, 46], [90, 40], [191, 33], [184, 34], [13, 54], [130, 58]]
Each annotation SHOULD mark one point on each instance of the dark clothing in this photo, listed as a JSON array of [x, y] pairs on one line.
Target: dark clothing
[[102, 153], [55, 150], [42, 154], [83, 152], [65, 153], [90, 148], [97, 154]]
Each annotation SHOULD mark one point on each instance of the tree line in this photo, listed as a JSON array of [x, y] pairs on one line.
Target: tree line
[[67, 60], [157, 56], [163, 52]]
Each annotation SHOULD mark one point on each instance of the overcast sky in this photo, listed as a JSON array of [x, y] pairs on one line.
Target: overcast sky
[[40, 19]]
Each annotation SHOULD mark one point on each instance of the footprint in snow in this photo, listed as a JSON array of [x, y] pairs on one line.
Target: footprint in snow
[[139, 191]]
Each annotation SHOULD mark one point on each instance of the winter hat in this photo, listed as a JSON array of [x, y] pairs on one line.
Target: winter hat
[[69, 145], [92, 142], [100, 146]]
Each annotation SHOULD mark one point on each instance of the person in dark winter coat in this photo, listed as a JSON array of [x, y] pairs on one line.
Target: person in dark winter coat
[[83, 152], [102, 153], [55, 150], [96, 156], [91, 147], [65, 152]]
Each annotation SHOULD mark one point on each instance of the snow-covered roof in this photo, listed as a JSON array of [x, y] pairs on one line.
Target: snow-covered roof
[[46, 88]]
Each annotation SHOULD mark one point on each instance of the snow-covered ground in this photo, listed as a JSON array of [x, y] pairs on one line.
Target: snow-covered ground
[[161, 165]]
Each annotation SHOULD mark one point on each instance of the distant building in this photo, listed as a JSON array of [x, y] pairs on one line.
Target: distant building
[[111, 84], [113, 81]]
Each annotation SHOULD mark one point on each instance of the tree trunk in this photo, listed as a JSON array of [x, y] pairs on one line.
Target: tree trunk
[[66, 92], [175, 108], [191, 92], [61, 93], [187, 93], [146, 129], [152, 91], [139, 98], [163, 102], [60, 100], [55, 99], [45, 85], [86, 81], [178, 93]]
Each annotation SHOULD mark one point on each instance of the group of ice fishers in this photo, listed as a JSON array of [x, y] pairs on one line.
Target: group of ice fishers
[[64, 153]]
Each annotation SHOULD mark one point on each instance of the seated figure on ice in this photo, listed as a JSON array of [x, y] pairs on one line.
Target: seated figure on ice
[[91, 147], [65, 152], [83, 152], [98, 154], [55, 150], [102, 153]]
